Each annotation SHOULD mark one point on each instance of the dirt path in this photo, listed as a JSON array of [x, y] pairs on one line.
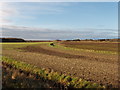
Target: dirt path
[[103, 70]]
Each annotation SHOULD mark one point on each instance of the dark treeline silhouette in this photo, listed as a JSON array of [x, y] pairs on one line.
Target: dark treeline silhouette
[[12, 40], [112, 40], [22, 40]]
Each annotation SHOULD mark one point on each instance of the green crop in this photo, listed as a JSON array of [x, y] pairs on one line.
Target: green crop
[[53, 76]]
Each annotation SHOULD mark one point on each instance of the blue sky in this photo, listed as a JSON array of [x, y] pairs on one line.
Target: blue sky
[[68, 20]]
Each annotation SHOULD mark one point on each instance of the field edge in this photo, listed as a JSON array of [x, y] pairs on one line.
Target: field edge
[[47, 74]]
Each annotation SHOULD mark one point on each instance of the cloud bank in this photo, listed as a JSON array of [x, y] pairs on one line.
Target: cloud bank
[[52, 34]]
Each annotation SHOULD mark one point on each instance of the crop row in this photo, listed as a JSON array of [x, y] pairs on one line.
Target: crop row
[[84, 50], [46, 74]]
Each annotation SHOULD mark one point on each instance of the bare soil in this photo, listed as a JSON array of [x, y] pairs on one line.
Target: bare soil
[[65, 54], [94, 67], [105, 46], [17, 78], [51, 52]]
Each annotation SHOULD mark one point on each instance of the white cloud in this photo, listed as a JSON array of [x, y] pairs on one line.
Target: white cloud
[[6, 11], [41, 8], [44, 33], [25, 11]]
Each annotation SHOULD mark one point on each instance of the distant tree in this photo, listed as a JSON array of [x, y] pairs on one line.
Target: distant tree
[[11, 40], [58, 40], [68, 40], [88, 40], [76, 40], [101, 39]]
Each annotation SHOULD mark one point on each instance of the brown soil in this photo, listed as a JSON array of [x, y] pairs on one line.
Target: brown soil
[[51, 52], [59, 53], [105, 46], [95, 67], [17, 78]]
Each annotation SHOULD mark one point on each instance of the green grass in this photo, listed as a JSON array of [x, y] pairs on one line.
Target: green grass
[[56, 77], [57, 45], [24, 43], [11, 46]]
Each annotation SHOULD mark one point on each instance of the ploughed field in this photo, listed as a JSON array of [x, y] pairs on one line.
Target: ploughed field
[[17, 78], [102, 46], [96, 62]]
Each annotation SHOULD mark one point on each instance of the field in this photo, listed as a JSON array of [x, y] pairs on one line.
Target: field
[[94, 64]]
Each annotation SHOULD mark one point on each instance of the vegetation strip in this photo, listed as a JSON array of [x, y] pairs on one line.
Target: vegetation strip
[[16, 78], [86, 50], [67, 81], [25, 43]]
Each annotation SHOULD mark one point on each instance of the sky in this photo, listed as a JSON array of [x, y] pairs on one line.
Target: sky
[[59, 20], [59, 0]]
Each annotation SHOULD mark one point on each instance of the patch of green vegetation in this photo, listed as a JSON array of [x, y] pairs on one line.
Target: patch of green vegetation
[[12, 46], [25, 43], [83, 50], [56, 77]]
